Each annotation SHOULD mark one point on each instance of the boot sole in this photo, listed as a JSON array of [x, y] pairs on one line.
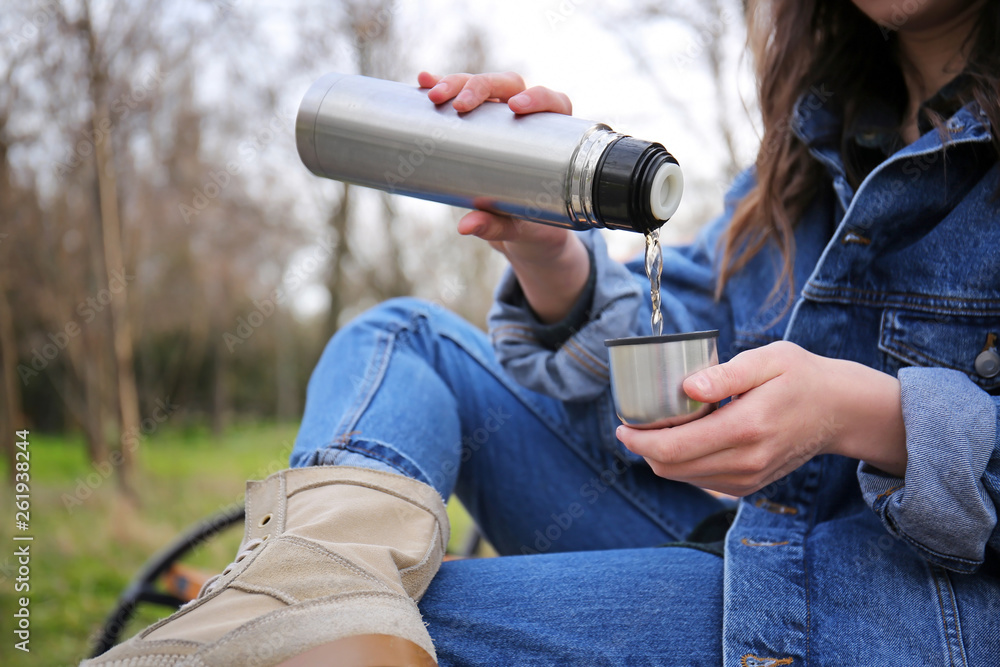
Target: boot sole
[[364, 651]]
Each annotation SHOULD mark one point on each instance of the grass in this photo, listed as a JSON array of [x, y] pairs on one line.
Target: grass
[[88, 543]]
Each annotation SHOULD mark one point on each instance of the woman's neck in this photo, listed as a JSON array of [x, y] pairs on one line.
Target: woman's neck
[[932, 56]]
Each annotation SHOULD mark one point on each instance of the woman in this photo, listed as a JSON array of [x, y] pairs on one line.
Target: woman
[[855, 280]]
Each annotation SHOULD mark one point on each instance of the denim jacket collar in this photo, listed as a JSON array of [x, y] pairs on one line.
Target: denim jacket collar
[[817, 121]]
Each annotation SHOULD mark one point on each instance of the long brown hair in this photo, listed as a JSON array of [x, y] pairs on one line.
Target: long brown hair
[[831, 47]]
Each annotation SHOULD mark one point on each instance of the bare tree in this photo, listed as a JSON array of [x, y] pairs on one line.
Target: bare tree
[[195, 201], [712, 48], [11, 409], [111, 233], [13, 416], [711, 25]]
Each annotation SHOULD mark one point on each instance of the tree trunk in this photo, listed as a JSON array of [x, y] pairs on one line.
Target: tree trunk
[[287, 385], [95, 412], [220, 388], [398, 284], [12, 388], [340, 223], [111, 230]]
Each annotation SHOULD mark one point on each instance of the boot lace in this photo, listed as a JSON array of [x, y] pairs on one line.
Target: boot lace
[[210, 583]]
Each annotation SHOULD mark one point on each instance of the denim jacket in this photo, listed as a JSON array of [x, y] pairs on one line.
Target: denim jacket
[[840, 563]]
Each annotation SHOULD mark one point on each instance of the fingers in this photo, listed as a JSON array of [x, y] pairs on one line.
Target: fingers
[[741, 374], [734, 472], [482, 87], [703, 456], [538, 99], [472, 224], [734, 426], [749, 443], [470, 90], [688, 442], [489, 227], [427, 80], [442, 88]]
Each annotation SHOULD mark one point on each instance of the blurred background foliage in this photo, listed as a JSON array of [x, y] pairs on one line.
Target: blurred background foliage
[[170, 272], [153, 206]]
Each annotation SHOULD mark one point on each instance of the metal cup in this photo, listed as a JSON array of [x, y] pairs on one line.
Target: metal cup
[[647, 373]]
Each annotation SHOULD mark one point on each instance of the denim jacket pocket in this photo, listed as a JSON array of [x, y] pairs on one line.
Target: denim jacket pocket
[[938, 340]]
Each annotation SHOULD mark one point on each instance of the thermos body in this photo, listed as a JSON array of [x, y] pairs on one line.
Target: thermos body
[[545, 167]]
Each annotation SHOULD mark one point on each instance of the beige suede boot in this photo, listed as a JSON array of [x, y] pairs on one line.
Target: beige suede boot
[[332, 563]]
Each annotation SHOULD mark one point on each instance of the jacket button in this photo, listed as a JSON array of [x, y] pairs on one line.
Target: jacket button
[[988, 363]]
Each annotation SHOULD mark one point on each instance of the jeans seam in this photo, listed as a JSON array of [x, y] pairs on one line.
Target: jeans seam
[[383, 351], [943, 588], [341, 440], [598, 363], [406, 466]]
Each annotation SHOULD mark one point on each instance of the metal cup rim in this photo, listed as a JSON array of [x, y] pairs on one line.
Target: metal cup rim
[[666, 338]]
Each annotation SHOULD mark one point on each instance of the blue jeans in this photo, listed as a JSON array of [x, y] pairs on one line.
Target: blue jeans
[[413, 389]]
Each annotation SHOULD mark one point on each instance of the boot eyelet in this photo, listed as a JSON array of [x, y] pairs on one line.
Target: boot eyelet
[[264, 520], [264, 539]]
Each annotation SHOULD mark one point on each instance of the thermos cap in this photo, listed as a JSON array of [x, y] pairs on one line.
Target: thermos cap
[[638, 185]]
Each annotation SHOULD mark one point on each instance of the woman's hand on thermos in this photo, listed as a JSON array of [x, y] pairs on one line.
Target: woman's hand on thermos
[[551, 263]]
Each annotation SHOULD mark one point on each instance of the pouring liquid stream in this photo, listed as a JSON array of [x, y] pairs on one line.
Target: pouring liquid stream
[[654, 266]]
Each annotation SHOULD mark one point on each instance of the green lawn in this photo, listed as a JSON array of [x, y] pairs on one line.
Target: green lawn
[[88, 543]]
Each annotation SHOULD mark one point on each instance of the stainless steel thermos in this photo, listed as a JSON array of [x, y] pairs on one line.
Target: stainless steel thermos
[[545, 167]]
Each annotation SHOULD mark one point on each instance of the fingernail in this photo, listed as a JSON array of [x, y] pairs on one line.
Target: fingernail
[[701, 382], [521, 99], [438, 87], [465, 96], [619, 431]]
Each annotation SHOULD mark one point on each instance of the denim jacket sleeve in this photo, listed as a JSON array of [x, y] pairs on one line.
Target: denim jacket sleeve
[[946, 505], [578, 369]]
